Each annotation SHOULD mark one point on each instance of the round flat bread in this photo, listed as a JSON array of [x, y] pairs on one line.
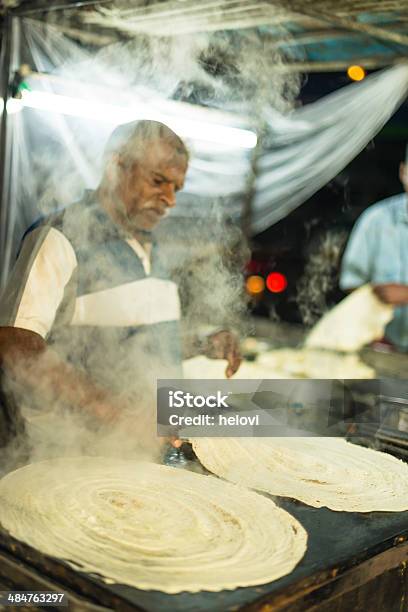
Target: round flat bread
[[150, 526], [320, 472], [357, 320]]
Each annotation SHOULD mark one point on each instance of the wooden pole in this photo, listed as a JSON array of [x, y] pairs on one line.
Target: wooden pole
[[373, 31], [4, 93], [370, 63], [45, 6]]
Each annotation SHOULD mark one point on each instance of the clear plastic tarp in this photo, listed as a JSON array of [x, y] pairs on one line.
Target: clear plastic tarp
[[75, 97]]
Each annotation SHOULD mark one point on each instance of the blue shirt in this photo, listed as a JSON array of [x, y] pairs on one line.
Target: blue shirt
[[377, 252]]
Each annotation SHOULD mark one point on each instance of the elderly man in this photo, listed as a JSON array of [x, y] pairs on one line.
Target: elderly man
[[377, 253], [90, 317]]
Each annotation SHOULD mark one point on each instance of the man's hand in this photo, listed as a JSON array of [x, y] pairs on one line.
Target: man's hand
[[392, 293], [224, 345]]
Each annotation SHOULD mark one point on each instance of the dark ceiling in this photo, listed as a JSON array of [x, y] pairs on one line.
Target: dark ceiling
[[315, 35]]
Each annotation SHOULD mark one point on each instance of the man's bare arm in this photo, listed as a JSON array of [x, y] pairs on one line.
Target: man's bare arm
[[395, 294], [26, 357]]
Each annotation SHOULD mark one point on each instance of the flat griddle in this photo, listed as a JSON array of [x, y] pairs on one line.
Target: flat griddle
[[344, 549]]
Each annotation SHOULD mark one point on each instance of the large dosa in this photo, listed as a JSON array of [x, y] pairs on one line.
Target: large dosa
[[150, 526], [357, 320], [317, 471]]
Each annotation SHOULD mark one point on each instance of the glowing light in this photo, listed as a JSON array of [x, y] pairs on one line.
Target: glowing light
[[276, 282], [99, 111], [356, 73], [76, 107], [14, 105], [255, 284]]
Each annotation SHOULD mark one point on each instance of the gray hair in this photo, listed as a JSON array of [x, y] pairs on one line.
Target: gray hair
[[130, 139]]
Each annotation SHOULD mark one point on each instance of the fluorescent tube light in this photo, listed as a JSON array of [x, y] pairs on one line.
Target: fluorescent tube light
[[99, 111]]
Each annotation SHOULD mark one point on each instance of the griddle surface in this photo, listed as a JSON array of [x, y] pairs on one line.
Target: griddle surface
[[335, 538]]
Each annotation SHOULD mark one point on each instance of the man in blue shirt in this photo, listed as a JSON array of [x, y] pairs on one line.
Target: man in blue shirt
[[377, 253]]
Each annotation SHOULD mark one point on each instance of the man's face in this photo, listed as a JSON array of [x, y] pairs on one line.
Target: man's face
[[403, 173], [147, 188]]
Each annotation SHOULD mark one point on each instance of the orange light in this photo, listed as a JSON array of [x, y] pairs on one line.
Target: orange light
[[356, 73], [276, 282], [255, 284]]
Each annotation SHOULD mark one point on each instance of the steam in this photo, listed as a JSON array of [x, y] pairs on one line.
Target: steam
[[321, 275], [234, 71], [207, 258], [204, 58]]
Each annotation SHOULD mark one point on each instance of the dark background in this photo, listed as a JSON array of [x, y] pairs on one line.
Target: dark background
[[287, 246]]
